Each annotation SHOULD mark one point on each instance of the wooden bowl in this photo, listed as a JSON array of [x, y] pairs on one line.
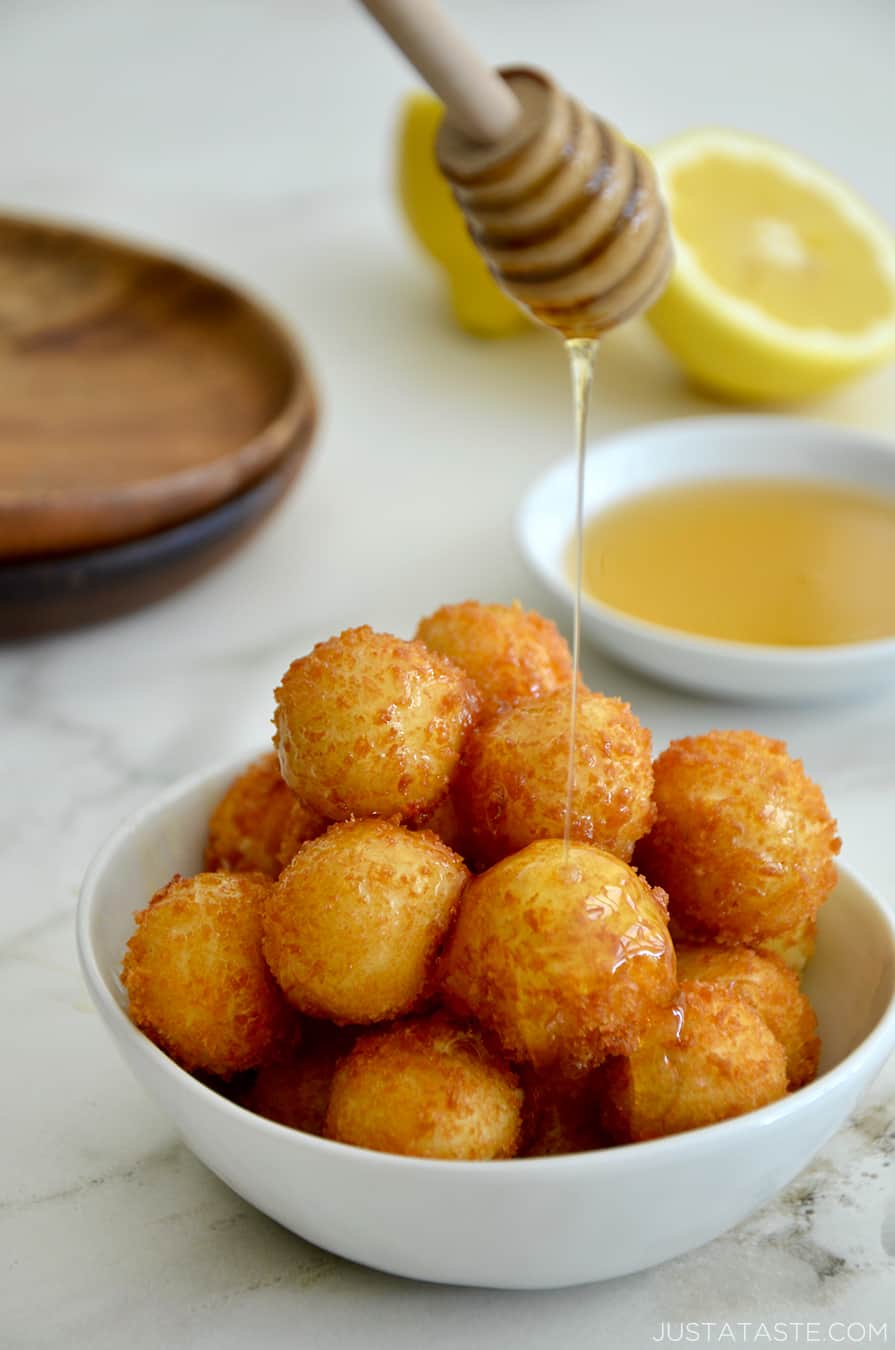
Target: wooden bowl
[[43, 595], [135, 391]]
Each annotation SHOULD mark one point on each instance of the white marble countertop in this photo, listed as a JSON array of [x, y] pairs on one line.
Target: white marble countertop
[[215, 127]]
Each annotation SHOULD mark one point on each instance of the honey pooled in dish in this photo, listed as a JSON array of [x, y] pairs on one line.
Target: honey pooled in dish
[[749, 560]]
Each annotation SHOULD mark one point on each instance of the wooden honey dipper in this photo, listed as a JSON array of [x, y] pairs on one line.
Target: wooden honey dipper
[[567, 214]]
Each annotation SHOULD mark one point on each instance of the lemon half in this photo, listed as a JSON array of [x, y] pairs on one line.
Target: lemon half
[[784, 282]]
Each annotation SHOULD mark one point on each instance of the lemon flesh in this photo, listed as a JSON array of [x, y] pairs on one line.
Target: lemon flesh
[[785, 281], [436, 221]]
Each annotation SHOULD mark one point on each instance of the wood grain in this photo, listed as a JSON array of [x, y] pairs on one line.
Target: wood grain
[[61, 591], [135, 391]]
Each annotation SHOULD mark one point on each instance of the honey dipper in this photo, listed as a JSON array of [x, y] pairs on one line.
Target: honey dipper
[[567, 214]]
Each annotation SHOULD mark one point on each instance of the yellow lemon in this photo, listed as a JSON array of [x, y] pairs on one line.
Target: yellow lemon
[[437, 222], [784, 282]]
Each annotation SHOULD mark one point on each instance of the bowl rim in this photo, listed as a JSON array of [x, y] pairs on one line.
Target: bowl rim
[[639, 1154], [695, 644]]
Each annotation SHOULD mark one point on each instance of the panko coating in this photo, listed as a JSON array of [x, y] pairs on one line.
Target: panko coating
[[772, 989], [512, 655], [370, 725], [743, 842], [196, 979], [565, 962], [257, 821], [795, 946], [429, 1088], [353, 924], [296, 1091], [560, 1114], [709, 1058], [512, 785]]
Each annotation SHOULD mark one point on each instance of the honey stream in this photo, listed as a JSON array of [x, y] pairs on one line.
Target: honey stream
[[582, 358]]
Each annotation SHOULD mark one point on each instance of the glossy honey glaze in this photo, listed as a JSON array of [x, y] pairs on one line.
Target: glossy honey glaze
[[785, 562]]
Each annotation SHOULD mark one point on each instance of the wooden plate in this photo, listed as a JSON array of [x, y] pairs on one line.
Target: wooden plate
[[42, 595], [135, 391]]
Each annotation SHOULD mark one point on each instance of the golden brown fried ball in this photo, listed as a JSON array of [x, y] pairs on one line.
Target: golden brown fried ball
[[795, 946], [444, 821], [564, 961], [772, 989], [196, 978], [511, 655], [710, 1058], [429, 1088], [369, 725], [512, 784], [743, 842], [560, 1114], [258, 821], [296, 1091], [352, 927]]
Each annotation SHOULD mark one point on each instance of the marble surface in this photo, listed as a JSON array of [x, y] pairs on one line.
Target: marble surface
[[213, 126]]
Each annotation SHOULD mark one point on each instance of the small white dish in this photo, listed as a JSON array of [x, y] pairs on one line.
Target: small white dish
[[538, 1223], [695, 448]]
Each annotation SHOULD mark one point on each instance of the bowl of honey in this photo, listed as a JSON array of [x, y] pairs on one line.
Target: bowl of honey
[[744, 556]]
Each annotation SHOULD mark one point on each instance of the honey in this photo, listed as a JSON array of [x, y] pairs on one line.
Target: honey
[[582, 358], [569, 218], [785, 562]]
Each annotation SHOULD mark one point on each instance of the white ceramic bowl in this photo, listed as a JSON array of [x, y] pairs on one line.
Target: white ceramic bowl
[[694, 448], [524, 1224]]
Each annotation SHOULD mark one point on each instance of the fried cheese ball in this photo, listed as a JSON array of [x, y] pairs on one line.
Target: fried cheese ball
[[296, 1091], [512, 784], [743, 842], [511, 655], [258, 821], [795, 946], [353, 924], [369, 725], [560, 1114], [427, 1088], [709, 1058], [565, 962], [196, 979], [444, 821], [772, 989]]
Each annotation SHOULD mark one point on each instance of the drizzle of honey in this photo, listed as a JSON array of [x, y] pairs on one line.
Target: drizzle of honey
[[776, 561], [582, 357]]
